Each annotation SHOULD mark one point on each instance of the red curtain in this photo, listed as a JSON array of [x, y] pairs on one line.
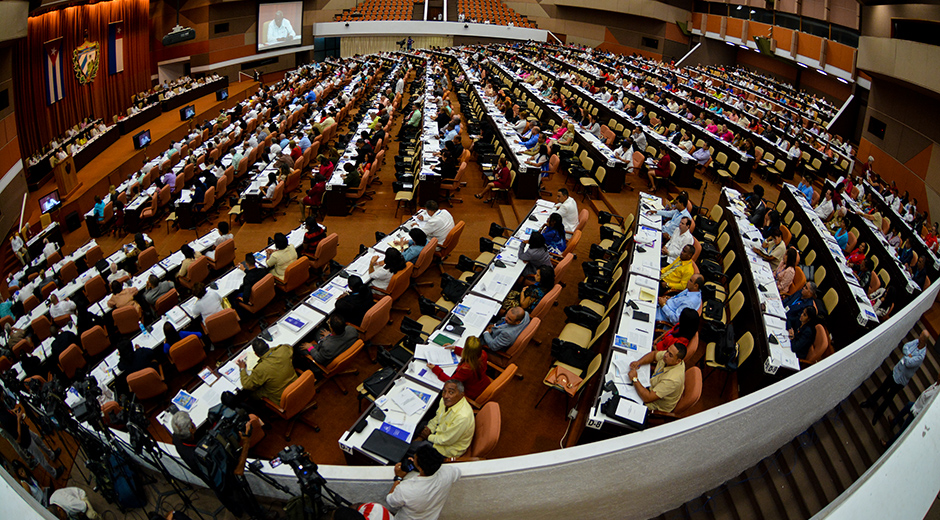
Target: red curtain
[[38, 122]]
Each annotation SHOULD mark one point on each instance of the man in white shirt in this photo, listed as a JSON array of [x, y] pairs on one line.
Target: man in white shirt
[[400, 85], [279, 29], [422, 497], [437, 223], [567, 207], [116, 274], [19, 247], [60, 308], [678, 241], [49, 248], [824, 208]]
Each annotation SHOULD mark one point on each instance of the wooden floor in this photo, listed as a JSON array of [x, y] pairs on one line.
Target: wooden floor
[[524, 428]]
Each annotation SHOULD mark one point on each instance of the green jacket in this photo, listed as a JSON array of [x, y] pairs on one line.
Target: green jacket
[[272, 375]]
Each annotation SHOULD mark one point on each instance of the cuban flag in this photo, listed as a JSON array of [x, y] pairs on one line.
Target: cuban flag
[[115, 47], [54, 87]]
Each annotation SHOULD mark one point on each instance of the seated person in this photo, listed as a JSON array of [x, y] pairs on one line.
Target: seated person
[[121, 297], [352, 175], [680, 333], [57, 308], [530, 297], [668, 380], [224, 235], [773, 249], [472, 368], [803, 337], [117, 274], [253, 274], [662, 170], [189, 256], [273, 373], [675, 276], [857, 256], [669, 309], [382, 271], [333, 341], [673, 214], [209, 302], [535, 253], [450, 431], [171, 336], [63, 339], [155, 289], [678, 241], [554, 234], [503, 334], [796, 302], [865, 275], [412, 246], [281, 256], [314, 232], [354, 304], [786, 271], [501, 180]]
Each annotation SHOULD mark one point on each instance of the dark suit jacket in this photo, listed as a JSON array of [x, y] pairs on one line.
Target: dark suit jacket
[[252, 276]]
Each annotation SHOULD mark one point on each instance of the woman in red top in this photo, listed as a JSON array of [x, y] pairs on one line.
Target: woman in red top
[[502, 180], [662, 168], [472, 368], [857, 256], [682, 332], [326, 167]]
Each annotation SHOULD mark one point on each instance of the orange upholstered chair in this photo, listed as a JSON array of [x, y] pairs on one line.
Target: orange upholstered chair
[[146, 383], [450, 242], [495, 388], [337, 367], [262, 293], [166, 302], [690, 396], [296, 274], [297, 399], [222, 325], [95, 340], [126, 319], [224, 255], [187, 353], [95, 289], [41, 327], [146, 259], [485, 433], [71, 360], [197, 273]]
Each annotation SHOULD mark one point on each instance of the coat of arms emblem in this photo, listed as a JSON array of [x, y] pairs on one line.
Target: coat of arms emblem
[[85, 61]]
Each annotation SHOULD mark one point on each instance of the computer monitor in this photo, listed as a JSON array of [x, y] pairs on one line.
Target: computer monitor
[[221, 94], [187, 112], [142, 139], [50, 202]]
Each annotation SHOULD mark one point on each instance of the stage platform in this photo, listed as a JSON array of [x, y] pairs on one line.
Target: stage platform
[[119, 160]]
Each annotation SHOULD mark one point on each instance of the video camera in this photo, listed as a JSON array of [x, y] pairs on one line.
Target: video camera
[[305, 469]]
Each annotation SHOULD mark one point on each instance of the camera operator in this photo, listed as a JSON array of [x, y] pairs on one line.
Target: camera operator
[[14, 422], [228, 491], [422, 496]]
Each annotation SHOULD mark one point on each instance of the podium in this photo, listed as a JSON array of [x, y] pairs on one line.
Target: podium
[[66, 177]]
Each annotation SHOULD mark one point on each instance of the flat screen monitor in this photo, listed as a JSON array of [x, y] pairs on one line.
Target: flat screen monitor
[[142, 139], [279, 25], [50, 202], [187, 112], [221, 94]]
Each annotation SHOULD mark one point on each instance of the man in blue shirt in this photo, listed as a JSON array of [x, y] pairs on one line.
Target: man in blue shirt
[[669, 309], [532, 140], [311, 96], [304, 143], [672, 217], [912, 355], [796, 302]]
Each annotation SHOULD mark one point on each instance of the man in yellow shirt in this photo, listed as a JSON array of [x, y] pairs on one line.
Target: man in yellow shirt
[[675, 276], [451, 429], [667, 381]]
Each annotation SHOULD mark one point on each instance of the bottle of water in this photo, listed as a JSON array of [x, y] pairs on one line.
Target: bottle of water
[[143, 330]]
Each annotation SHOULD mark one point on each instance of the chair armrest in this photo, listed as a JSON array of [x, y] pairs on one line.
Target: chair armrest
[[321, 367], [270, 404]]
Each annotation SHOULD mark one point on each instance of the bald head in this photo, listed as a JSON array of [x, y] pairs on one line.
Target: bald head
[[515, 315]]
